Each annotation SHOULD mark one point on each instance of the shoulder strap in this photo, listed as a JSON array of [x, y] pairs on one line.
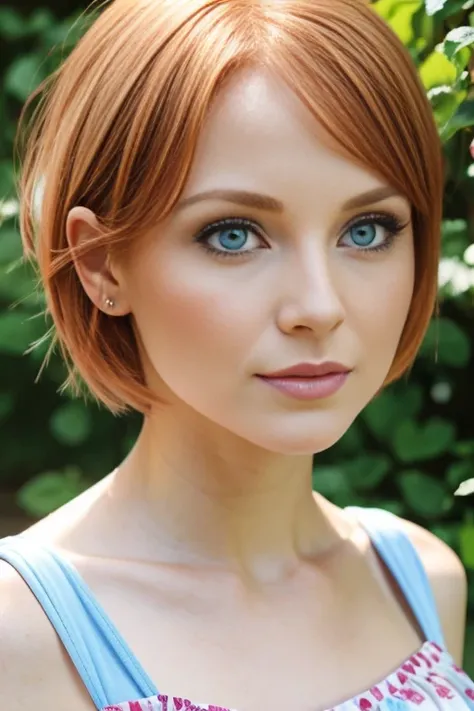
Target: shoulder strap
[[399, 554], [102, 658]]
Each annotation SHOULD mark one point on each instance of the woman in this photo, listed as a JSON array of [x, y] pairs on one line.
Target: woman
[[238, 234]]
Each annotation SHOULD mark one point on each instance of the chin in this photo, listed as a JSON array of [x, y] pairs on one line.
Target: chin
[[303, 438], [300, 447]]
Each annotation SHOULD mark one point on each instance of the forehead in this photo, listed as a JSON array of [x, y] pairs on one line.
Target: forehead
[[258, 135]]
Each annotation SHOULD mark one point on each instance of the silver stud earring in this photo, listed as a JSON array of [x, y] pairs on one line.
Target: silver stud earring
[[110, 303]]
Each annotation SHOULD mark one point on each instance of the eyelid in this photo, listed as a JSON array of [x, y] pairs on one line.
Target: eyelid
[[373, 216]]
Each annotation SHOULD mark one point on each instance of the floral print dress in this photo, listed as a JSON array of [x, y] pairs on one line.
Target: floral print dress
[[428, 681]]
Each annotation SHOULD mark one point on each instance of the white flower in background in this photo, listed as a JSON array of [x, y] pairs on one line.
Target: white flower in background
[[469, 255], [8, 208], [466, 488], [456, 274], [441, 393]]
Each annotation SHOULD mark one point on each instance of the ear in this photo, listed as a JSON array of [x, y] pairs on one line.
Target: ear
[[100, 280]]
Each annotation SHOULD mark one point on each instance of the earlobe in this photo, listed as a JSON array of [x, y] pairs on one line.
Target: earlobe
[[93, 267]]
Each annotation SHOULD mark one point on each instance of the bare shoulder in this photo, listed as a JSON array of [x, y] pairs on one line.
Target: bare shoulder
[[34, 667], [448, 582]]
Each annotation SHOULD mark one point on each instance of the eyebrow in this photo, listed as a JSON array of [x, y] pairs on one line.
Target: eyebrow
[[270, 204], [370, 197], [238, 197]]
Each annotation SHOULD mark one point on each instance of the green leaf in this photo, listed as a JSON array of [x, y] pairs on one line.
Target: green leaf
[[10, 245], [68, 32], [436, 71], [452, 228], [455, 238], [12, 24], [368, 471], [17, 331], [456, 40], [7, 402], [448, 532], [129, 442], [17, 283], [466, 539], [23, 76], [387, 409], [331, 480], [415, 443], [395, 507], [464, 448], [446, 340], [6, 179], [399, 15], [423, 494], [47, 492], [445, 101], [462, 118], [351, 441], [333, 483], [71, 423], [41, 20]]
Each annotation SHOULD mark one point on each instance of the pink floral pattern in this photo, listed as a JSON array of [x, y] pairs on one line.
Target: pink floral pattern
[[427, 681]]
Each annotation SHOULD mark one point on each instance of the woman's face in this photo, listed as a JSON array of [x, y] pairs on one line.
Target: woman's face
[[279, 252]]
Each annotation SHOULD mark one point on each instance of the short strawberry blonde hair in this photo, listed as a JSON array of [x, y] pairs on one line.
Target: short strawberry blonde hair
[[118, 123]]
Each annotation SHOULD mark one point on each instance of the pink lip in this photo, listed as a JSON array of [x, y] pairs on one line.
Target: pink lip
[[308, 381], [308, 370], [309, 388]]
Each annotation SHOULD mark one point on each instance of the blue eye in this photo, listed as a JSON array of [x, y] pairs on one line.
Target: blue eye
[[363, 235], [232, 237], [238, 237], [372, 233]]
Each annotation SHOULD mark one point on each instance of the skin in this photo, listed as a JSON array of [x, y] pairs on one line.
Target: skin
[[210, 527]]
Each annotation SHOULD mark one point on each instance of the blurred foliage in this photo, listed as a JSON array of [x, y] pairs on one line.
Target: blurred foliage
[[412, 446]]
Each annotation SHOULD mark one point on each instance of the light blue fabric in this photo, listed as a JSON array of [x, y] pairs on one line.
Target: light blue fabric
[[107, 666], [104, 661], [397, 551]]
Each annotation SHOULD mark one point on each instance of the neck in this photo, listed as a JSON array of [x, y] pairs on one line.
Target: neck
[[192, 495]]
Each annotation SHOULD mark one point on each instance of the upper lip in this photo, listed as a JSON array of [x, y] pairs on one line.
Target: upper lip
[[308, 370]]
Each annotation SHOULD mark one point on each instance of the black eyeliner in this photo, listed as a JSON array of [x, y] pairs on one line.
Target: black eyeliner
[[392, 224]]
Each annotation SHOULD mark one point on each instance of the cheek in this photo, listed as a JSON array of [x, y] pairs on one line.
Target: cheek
[[194, 326], [384, 302]]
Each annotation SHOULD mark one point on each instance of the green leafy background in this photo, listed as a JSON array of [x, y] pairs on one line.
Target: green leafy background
[[407, 452]]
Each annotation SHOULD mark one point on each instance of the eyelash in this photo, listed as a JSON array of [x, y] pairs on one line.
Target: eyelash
[[389, 221]]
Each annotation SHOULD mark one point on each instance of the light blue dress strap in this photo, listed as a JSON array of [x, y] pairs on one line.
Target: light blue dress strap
[[400, 556], [105, 663]]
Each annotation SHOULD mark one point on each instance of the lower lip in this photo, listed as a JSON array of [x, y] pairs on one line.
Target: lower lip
[[309, 388]]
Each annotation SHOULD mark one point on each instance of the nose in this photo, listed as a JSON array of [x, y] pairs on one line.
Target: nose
[[312, 294]]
